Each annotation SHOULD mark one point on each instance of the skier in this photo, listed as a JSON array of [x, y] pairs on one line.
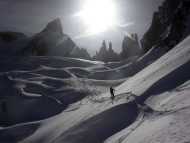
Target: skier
[[112, 90]]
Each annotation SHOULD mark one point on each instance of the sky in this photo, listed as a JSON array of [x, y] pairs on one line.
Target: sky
[[31, 16]]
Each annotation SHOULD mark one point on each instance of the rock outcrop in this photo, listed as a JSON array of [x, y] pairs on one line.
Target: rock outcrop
[[80, 53], [130, 46], [170, 25], [106, 54]]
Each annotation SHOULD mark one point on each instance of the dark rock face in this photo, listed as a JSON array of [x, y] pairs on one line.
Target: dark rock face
[[54, 26], [169, 26], [130, 46], [80, 53], [101, 55], [51, 41], [112, 55], [106, 54]]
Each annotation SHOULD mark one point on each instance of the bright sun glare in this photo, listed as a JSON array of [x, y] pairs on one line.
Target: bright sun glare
[[98, 15]]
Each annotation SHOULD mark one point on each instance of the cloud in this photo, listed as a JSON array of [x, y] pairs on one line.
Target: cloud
[[127, 24]]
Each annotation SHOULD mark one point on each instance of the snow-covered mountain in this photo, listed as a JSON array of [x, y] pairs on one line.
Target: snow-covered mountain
[[53, 99], [51, 41], [44, 102]]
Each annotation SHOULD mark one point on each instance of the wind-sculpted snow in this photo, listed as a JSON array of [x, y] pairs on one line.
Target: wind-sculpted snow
[[50, 84], [45, 102], [79, 72], [31, 63], [35, 89]]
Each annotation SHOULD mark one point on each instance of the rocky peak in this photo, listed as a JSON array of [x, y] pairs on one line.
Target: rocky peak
[[110, 49], [51, 41], [169, 25], [130, 40], [54, 26], [130, 46], [106, 54]]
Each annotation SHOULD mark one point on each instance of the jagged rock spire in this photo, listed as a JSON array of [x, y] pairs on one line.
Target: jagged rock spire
[[54, 26]]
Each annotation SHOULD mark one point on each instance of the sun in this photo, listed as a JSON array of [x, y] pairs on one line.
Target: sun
[[98, 15]]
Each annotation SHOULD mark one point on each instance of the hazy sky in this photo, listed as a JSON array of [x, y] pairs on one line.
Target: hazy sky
[[31, 16]]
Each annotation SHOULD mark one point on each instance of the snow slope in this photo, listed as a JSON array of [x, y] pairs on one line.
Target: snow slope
[[160, 70], [162, 79], [171, 125], [87, 114]]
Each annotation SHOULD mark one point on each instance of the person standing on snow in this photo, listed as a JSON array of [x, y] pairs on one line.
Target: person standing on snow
[[112, 90]]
